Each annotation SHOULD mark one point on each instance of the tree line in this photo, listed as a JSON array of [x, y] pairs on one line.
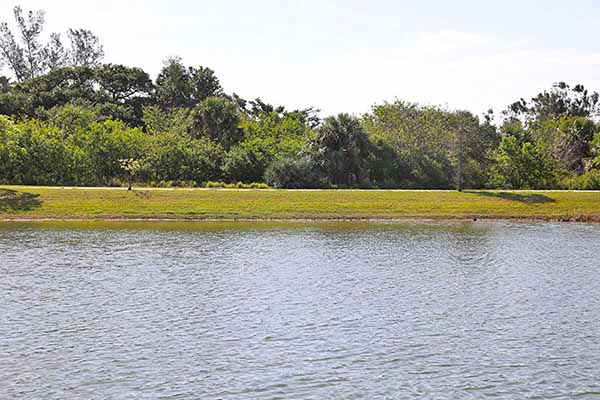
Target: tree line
[[67, 118]]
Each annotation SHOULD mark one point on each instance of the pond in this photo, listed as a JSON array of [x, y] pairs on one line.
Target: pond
[[121, 310]]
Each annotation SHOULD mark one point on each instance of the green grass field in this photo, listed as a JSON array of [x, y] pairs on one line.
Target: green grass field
[[31, 202]]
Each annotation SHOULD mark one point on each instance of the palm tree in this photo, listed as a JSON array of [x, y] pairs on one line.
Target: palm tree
[[342, 148]]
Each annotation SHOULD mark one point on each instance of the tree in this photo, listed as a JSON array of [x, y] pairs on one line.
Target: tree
[[205, 83], [131, 168], [569, 140], [172, 85], [121, 83], [218, 119], [471, 145], [560, 121], [418, 146], [54, 54], [123, 91], [56, 88], [267, 137], [178, 86], [257, 109], [28, 58], [115, 91], [560, 101], [282, 134], [342, 149], [521, 165], [12, 53], [86, 50]]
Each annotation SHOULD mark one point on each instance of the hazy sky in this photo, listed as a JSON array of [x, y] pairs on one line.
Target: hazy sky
[[346, 55]]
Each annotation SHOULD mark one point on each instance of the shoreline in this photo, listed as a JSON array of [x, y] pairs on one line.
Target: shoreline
[[566, 219]]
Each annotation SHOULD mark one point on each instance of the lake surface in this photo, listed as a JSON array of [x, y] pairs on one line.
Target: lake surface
[[442, 310]]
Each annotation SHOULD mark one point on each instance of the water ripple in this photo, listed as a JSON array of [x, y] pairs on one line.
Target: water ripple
[[388, 310]]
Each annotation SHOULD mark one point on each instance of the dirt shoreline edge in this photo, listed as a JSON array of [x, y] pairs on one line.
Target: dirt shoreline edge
[[474, 218]]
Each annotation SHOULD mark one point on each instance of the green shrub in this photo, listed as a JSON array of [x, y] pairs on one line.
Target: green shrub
[[238, 185], [245, 163], [588, 181], [214, 185], [173, 157], [292, 173]]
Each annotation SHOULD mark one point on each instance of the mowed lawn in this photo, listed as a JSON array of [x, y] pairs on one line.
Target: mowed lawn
[[32, 202]]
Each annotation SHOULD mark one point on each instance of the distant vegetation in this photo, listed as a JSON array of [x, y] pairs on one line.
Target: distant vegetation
[[66, 118]]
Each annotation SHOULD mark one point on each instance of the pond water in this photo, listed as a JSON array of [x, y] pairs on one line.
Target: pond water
[[299, 311]]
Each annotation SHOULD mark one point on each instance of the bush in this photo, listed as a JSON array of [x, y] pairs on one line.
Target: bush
[[588, 181], [238, 185], [292, 173], [245, 163], [214, 185], [11, 153], [37, 154], [171, 184], [177, 158]]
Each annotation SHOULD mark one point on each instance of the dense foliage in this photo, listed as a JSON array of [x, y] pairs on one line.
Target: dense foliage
[[66, 118]]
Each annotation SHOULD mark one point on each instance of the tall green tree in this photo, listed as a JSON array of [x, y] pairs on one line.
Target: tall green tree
[[342, 148], [560, 101], [569, 140], [55, 54], [24, 58], [218, 119], [560, 121], [522, 165], [86, 50], [122, 83], [28, 57], [181, 86]]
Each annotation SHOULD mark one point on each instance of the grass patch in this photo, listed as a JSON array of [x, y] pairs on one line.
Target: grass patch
[[30, 202]]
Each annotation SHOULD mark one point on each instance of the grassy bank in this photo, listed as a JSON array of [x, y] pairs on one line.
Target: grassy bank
[[30, 202]]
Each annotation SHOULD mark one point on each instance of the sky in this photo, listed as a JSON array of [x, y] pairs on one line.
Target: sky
[[347, 55]]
